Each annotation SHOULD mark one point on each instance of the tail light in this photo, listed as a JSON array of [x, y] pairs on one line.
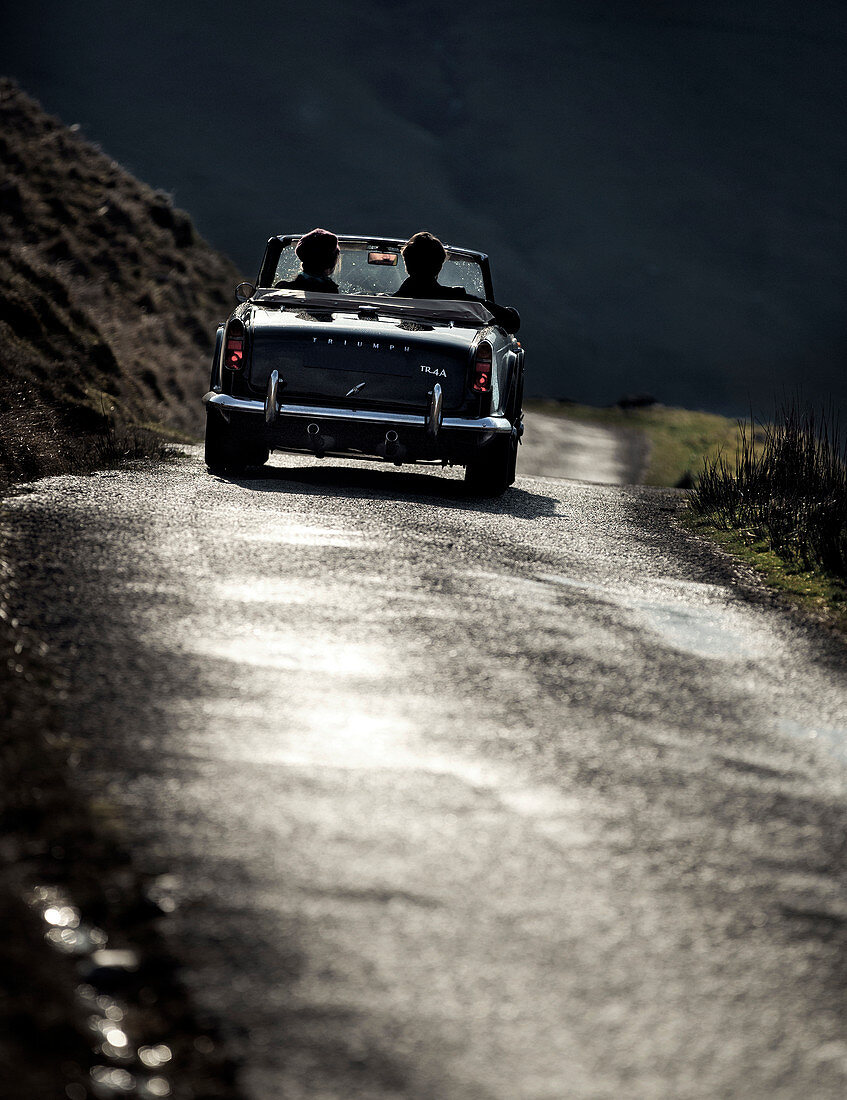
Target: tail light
[[481, 374], [234, 350]]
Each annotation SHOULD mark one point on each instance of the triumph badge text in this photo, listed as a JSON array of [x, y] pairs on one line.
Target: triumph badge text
[[373, 345]]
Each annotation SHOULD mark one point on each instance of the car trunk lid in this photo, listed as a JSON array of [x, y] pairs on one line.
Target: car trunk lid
[[359, 364]]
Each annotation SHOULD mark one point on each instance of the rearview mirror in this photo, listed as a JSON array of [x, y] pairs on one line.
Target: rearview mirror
[[244, 292]]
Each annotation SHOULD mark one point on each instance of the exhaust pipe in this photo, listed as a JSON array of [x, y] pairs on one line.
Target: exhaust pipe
[[392, 448], [318, 442]]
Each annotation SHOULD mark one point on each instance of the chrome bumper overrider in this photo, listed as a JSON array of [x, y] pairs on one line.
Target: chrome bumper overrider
[[227, 403]]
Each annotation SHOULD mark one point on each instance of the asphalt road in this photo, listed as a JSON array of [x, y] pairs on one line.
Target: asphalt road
[[447, 798], [556, 446]]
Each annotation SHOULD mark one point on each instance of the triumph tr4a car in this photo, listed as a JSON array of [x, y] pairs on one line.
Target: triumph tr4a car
[[363, 374]]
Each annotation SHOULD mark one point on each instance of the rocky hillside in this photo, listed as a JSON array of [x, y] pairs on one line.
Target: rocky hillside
[[109, 297]]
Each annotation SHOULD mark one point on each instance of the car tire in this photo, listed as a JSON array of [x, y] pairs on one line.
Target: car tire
[[225, 452], [492, 472]]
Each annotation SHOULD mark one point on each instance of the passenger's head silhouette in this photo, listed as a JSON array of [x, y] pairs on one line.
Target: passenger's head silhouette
[[318, 252], [424, 255]]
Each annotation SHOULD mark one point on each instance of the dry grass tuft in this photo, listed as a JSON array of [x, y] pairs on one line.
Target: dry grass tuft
[[786, 484]]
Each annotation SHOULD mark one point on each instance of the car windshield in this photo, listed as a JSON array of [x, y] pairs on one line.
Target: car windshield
[[365, 270]]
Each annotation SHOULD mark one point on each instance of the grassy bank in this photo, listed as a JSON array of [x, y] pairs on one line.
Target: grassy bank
[[108, 303], [680, 440], [817, 593], [779, 501]]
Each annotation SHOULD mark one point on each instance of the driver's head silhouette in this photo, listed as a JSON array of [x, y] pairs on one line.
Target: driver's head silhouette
[[424, 255]]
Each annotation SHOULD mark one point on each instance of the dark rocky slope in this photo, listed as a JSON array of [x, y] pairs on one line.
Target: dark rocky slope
[[109, 297]]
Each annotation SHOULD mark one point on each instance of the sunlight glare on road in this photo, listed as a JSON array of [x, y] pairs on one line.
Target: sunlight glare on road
[[270, 649], [268, 590], [301, 534]]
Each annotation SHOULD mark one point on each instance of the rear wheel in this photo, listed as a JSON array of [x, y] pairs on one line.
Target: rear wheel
[[225, 451], [492, 472]]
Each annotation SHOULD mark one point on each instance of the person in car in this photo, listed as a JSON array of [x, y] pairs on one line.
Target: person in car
[[318, 253], [424, 256]]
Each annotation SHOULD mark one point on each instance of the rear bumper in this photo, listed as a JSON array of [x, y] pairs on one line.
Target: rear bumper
[[485, 425], [321, 430]]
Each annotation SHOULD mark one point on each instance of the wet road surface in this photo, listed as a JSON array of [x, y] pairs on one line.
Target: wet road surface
[[455, 798]]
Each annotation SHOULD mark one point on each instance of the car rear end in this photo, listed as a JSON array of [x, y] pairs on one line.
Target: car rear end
[[336, 382]]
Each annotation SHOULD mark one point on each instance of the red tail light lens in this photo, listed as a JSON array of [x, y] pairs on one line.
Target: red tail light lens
[[481, 376], [234, 350]]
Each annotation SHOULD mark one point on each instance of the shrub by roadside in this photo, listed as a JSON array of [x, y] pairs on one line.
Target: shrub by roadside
[[781, 504]]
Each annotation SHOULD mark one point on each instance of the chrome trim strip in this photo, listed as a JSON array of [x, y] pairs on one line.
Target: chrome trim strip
[[485, 423], [367, 416]]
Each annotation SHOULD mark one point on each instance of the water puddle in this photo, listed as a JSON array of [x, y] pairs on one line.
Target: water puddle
[[833, 737], [698, 619], [127, 1067], [699, 631], [702, 631]]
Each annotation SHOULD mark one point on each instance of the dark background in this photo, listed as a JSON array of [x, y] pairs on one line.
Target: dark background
[[660, 185]]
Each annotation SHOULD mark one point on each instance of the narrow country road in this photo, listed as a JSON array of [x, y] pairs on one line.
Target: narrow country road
[[526, 799], [558, 446]]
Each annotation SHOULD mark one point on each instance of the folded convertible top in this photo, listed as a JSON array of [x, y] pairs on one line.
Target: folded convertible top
[[458, 312]]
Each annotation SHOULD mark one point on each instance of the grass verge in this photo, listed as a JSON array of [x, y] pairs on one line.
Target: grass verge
[[818, 594], [680, 440], [38, 440], [780, 504]]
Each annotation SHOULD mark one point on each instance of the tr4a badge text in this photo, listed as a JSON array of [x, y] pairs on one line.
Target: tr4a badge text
[[434, 371]]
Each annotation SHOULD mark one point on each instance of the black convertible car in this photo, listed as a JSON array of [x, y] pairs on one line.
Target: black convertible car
[[363, 374]]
